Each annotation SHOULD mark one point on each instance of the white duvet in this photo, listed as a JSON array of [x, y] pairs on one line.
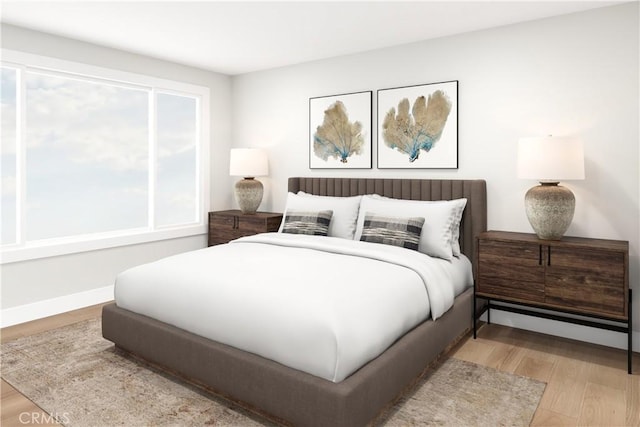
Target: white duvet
[[322, 305]]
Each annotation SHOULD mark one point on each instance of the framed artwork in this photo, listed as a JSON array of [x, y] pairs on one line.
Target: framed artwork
[[340, 131], [418, 127]]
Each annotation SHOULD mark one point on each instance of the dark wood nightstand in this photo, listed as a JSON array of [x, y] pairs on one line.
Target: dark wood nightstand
[[228, 225], [575, 275]]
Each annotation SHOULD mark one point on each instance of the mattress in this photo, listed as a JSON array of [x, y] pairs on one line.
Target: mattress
[[322, 305]]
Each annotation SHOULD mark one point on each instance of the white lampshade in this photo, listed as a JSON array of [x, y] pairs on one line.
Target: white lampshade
[[550, 159], [248, 162]]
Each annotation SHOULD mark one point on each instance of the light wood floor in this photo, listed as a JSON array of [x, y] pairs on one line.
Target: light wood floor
[[587, 385]]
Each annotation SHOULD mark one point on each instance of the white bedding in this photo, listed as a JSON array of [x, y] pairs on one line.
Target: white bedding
[[321, 305]]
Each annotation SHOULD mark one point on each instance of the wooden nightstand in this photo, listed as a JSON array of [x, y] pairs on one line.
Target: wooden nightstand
[[587, 277], [228, 225]]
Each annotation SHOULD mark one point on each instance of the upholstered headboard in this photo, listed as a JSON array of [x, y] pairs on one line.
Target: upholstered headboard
[[474, 219]]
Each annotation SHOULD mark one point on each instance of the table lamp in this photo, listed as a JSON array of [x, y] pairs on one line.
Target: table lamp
[[549, 160], [248, 163]]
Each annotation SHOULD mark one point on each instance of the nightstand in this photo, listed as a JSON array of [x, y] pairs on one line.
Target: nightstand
[[574, 275], [228, 225]]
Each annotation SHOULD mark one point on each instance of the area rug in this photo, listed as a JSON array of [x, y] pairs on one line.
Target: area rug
[[83, 380]]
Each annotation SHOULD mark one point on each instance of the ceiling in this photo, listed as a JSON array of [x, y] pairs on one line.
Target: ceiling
[[240, 37]]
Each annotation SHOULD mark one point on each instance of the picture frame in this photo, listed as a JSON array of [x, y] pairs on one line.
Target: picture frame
[[418, 126], [340, 129]]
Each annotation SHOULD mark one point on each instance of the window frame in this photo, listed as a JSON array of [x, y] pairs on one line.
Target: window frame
[[23, 250]]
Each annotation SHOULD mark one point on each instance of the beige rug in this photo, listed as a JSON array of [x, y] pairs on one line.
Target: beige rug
[[76, 375]]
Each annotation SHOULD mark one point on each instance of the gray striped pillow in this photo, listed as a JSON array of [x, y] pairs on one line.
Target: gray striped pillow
[[304, 222], [395, 231]]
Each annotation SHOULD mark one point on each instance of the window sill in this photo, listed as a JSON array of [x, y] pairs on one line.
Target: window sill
[[57, 247]]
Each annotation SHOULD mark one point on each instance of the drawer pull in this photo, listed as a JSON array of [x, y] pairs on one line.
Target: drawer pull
[[539, 254], [549, 255]]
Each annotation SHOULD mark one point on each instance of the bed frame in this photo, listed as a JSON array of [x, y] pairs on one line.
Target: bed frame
[[293, 397]]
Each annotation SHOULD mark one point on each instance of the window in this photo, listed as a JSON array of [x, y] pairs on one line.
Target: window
[[87, 158], [8, 114], [90, 157], [175, 195]]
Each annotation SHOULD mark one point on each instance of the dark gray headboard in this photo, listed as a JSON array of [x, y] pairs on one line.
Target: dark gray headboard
[[474, 220]]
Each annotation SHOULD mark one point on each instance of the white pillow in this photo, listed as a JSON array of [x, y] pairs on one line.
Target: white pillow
[[440, 218], [455, 227], [345, 211]]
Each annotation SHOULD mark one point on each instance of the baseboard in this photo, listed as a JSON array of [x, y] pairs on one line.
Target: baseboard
[[38, 310], [563, 329]]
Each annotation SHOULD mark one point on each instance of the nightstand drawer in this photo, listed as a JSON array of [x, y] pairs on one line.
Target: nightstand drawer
[[225, 226], [248, 226], [223, 222]]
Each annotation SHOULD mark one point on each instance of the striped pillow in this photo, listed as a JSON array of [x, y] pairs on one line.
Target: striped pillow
[[395, 231], [304, 222]]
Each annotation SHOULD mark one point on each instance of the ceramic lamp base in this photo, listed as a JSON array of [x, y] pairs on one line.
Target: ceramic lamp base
[[549, 209], [249, 195]]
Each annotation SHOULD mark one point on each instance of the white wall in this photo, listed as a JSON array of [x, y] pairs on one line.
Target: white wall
[[27, 282], [570, 75]]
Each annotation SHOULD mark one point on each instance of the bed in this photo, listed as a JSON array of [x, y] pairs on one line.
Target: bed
[[293, 396]]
